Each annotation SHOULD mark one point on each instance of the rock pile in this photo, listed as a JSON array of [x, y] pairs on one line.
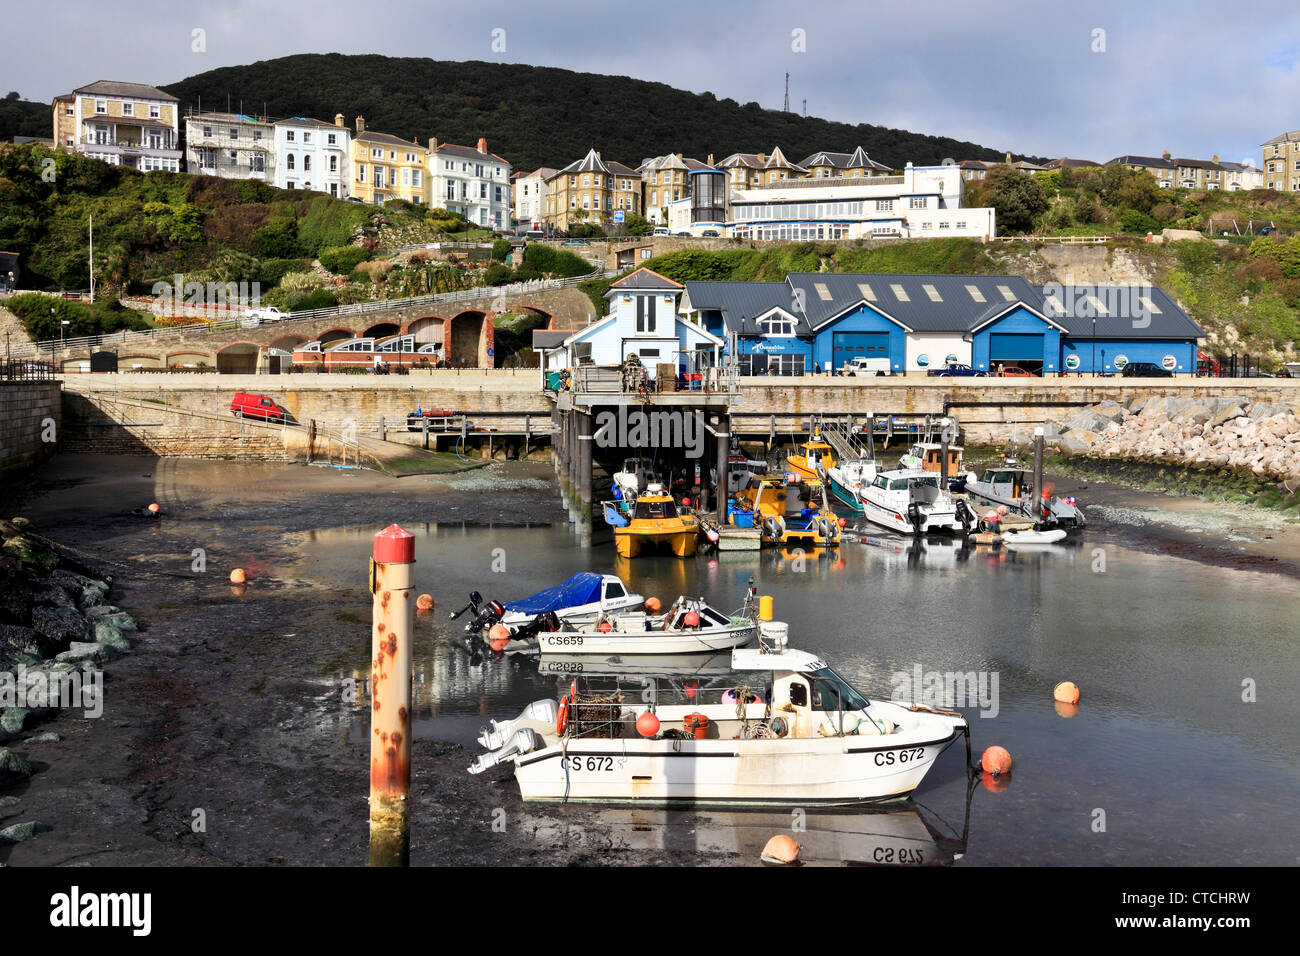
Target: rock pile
[[1231, 432], [54, 620]]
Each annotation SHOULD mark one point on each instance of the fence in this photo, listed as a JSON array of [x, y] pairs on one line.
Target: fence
[[148, 336]]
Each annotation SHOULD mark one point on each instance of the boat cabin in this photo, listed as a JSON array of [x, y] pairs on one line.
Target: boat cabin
[[929, 457], [1008, 482], [923, 486], [655, 505], [773, 495]]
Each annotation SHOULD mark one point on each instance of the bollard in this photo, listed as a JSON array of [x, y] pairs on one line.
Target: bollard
[[390, 697]]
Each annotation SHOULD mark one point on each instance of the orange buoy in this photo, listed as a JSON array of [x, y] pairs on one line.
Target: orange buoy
[[155, 508], [686, 502], [995, 761], [1066, 692], [499, 643], [499, 632], [691, 620], [606, 627], [652, 605], [647, 725], [238, 576], [844, 522], [781, 849], [424, 602], [1003, 509], [692, 688]]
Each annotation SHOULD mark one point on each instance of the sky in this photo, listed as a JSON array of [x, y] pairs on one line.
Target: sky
[[1087, 79]]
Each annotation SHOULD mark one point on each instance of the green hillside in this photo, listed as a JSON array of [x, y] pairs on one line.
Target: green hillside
[[541, 116]]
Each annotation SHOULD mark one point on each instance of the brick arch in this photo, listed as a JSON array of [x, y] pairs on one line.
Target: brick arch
[[426, 329], [329, 336], [382, 330], [239, 356], [289, 343], [468, 338]]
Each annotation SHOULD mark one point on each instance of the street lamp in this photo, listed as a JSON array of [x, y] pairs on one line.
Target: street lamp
[[1094, 346], [62, 325]]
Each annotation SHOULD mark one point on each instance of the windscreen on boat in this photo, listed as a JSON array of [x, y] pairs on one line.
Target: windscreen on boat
[[581, 588], [830, 691]]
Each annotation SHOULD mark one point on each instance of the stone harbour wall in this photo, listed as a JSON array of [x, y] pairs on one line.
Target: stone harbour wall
[[30, 420]]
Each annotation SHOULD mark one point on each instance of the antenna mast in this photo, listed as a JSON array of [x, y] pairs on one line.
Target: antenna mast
[[787, 92]]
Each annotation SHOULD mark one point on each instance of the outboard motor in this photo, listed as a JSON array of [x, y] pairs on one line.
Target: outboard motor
[[915, 517], [475, 602], [544, 711], [826, 528], [546, 621], [774, 526], [965, 516], [524, 741], [489, 615]]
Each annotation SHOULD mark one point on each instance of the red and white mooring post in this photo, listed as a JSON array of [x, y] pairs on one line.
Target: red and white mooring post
[[390, 696]]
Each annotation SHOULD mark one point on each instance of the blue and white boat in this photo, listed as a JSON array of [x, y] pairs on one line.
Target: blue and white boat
[[847, 478]]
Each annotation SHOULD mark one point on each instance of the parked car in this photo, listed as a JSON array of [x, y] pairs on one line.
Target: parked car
[[682, 235], [661, 231], [1014, 371], [248, 405], [1144, 370], [861, 365], [957, 370], [269, 313], [710, 234]]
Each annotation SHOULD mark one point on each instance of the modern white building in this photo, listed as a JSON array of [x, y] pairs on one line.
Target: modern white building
[[230, 145], [925, 202], [471, 181], [530, 199], [310, 154]]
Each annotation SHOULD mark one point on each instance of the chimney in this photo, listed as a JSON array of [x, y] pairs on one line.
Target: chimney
[[361, 125], [678, 155], [762, 157], [338, 119], [482, 144], [1214, 159], [1008, 159], [1165, 154], [433, 144], [709, 161], [598, 154]]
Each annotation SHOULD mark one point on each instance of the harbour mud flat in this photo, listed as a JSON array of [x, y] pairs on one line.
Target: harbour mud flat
[[220, 742]]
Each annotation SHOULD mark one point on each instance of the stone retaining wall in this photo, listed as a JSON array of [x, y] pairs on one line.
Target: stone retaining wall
[[30, 422]]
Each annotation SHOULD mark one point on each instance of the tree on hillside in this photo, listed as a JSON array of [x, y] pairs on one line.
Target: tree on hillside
[[1018, 199]]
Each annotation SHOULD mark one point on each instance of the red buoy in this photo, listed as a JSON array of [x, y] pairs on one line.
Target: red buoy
[[652, 605], [606, 627], [647, 725], [155, 508], [692, 619], [996, 761]]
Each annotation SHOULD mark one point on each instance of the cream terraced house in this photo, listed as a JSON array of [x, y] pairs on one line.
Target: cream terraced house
[[1281, 166], [230, 146], [590, 190], [471, 181], [311, 154], [666, 180], [125, 124], [529, 198], [386, 167]]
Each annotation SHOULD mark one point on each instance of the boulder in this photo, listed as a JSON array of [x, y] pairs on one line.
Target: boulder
[[22, 831], [18, 645], [58, 627], [11, 719], [13, 768], [81, 651], [1226, 414], [49, 594], [111, 636], [1078, 441]]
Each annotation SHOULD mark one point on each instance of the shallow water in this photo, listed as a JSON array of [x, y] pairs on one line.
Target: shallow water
[[1163, 763]]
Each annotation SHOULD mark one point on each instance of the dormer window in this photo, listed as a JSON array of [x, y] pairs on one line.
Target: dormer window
[[778, 325]]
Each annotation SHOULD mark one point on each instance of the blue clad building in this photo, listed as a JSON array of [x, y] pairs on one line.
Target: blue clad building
[[914, 323]]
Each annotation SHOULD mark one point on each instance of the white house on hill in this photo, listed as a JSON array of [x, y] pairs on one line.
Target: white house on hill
[[643, 319]]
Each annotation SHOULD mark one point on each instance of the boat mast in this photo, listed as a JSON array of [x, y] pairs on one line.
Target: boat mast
[[92, 258]]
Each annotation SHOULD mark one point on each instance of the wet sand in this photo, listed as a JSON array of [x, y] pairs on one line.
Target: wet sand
[[219, 707]]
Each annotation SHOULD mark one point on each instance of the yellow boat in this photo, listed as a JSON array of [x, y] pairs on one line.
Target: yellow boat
[[790, 511], [811, 454], [654, 524]]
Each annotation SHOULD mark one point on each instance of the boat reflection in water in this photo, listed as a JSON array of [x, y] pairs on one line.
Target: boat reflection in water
[[910, 835]]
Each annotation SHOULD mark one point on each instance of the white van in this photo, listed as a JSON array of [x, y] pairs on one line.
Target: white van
[[861, 365], [662, 231]]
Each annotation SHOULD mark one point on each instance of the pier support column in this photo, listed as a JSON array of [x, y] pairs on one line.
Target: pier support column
[[1035, 505], [723, 436], [393, 614], [584, 467]]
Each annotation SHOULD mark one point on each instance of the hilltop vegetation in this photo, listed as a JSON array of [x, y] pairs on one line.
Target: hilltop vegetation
[[541, 116]]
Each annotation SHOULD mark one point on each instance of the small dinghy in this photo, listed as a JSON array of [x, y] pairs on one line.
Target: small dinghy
[[689, 626], [1030, 537]]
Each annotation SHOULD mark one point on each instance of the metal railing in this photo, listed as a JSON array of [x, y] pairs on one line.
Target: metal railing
[[360, 308]]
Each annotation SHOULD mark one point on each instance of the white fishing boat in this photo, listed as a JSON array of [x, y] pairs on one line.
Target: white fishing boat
[[577, 600], [793, 733], [1010, 485], [847, 477], [631, 480], [689, 626], [910, 501]]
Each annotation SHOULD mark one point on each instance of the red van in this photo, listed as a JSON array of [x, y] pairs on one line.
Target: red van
[[248, 405]]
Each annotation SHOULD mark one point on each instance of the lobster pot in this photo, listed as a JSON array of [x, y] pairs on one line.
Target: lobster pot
[[774, 632], [595, 717]]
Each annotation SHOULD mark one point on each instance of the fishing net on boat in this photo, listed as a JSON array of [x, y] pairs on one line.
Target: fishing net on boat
[[596, 716]]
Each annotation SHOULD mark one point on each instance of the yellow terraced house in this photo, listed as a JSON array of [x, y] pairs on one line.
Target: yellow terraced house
[[388, 167], [126, 124]]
